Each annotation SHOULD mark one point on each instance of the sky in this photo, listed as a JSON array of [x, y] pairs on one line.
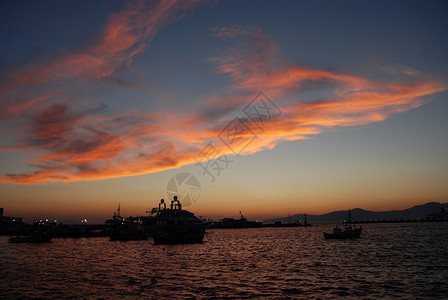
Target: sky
[[268, 108]]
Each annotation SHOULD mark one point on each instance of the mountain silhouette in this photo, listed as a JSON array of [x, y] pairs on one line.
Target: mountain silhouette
[[415, 212]]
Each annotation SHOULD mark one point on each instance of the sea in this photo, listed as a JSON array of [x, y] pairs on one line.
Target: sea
[[400, 261]]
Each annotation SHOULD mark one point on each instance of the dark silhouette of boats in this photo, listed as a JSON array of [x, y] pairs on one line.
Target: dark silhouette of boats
[[242, 222], [124, 229], [279, 223], [175, 225], [149, 222], [349, 231], [35, 237]]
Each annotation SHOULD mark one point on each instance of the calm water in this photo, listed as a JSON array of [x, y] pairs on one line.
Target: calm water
[[390, 261]]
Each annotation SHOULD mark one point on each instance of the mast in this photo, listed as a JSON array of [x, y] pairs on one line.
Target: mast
[[349, 218]]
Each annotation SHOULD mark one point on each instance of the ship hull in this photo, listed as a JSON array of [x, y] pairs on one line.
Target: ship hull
[[352, 234], [30, 240], [173, 239], [231, 225]]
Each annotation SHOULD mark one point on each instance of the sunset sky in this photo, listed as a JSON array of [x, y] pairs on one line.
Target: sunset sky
[[275, 107]]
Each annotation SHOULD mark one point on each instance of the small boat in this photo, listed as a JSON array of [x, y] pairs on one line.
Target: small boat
[[305, 223], [124, 229], [242, 222], [349, 232], [35, 237], [175, 225]]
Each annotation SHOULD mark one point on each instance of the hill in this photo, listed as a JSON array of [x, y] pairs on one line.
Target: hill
[[415, 212]]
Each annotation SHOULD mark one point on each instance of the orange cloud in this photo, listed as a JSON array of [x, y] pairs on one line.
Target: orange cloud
[[86, 146]]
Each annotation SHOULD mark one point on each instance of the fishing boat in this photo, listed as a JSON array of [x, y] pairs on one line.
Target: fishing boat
[[149, 222], [35, 237], [124, 229], [175, 225], [242, 222], [349, 231]]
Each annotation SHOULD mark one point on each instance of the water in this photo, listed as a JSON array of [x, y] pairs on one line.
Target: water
[[391, 261]]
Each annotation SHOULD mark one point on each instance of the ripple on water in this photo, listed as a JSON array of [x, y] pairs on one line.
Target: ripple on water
[[274, 263]]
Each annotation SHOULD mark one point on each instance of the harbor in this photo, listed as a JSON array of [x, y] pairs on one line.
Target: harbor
[[172, 149], [147, 257], [172, 224]]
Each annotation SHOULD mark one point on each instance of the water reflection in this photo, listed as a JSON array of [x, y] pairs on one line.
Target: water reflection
[[391, 260]]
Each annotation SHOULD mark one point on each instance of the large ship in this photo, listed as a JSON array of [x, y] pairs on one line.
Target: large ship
[[174, 225], [242, 222], [299, 223]]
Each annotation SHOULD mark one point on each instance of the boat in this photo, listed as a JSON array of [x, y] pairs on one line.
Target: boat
[[35, 237], [349, 231], [242, 222], [175, 225], [305, 223], [124, 229], [279, 223], [128, 231], [149, 222]]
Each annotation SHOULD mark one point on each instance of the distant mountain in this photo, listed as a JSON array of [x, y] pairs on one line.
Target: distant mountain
[[416, 212]]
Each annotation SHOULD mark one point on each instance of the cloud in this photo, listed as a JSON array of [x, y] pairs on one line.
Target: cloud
[[245, 61], [354, 100], [85, 145], [99, 144], [125, 35], [14, 110]]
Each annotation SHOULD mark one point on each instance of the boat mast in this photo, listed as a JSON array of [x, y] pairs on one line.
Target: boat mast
[[349, 218]]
